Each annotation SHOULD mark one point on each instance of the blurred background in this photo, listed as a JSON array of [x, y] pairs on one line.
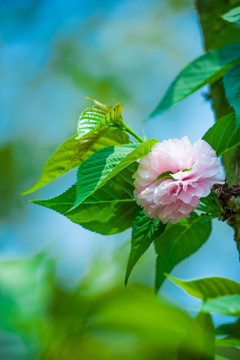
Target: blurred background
[[52, 54]]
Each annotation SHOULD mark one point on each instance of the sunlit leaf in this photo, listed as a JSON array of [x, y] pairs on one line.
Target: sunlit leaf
[[231, 82], [225, 305], [96, 117], [204, 70], [109, 210], [178, 242], [144, 232], [105, 164], [208, 287], [233, 15], [73, 152]]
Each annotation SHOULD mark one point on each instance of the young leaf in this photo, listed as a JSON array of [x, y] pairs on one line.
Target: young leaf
[[96, 117], [105, 164], [231, 82], [204, 70], [178, 242], [233, 15], [107, 211], [222, 136], [73, 152], [144, 232], [209, 287], [225, 305]]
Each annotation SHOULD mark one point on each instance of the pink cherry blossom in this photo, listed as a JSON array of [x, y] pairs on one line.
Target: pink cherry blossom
[[192, 170]]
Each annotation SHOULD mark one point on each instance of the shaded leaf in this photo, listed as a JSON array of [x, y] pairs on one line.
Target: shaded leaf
[[225, 305], [222, 136], [105, 164], [201, 333], [208, 287], [210, 205], [178, 242], [204, 70], [107, 211], [231, 82], [144, 232], [231, 332], [227, 353], [231, 329], [228, 341], [233, 15], [73, 152]]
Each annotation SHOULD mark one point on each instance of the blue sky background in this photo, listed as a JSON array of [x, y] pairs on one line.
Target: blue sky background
[[52, 54]]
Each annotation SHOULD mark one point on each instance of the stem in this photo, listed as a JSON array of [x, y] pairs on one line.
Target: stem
[[131, 132]]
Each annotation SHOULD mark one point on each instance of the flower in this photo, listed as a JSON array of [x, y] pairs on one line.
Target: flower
[[172, 178]]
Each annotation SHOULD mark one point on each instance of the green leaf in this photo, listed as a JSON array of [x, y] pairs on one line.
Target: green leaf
[[105, 164], [96, 117], [107, 211], [225, 305], [211, 206], [231, 82], [178, 242], [204, 70], [208, 287], [233, 15], [165, 175], [73, 152], [222, 136], [144, 232], [232, 331], [227, 353], [227, 341], [201, 334]]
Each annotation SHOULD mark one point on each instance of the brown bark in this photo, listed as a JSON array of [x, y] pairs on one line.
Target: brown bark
[[218, 33]]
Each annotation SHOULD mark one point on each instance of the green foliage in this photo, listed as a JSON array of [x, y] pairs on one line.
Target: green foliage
[[210, 206], [144, 232], [231, 82], [165, 175], [109, 210], [178, 242], [73, 152], [233, 15], [206, 69], [105, 164], [201, 333], [98, 116], [225, 305], [222, 136], [231, 334], [209, 287], [227, 353], [88, 322]]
